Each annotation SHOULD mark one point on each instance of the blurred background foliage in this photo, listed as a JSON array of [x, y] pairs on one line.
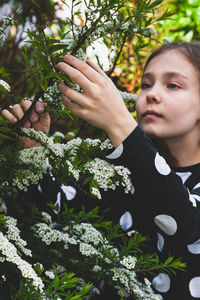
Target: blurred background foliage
[[18, 66]]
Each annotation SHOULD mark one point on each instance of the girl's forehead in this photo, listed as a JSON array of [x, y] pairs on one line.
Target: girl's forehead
[[171, 60]]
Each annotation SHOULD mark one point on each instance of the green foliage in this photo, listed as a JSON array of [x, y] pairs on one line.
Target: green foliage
[[185, 23]]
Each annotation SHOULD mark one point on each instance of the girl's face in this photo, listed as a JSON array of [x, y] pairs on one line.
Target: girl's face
[[168, 105]]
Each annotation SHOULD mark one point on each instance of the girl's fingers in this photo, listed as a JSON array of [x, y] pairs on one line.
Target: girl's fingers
[[39, 108], [72, 94], [75, 108], [96, 68], [75, 75], [18, 111], [7, 115], [89, 72]]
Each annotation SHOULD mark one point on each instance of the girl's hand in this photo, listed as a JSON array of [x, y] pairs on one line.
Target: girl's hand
[[99, 103], [39, 119]]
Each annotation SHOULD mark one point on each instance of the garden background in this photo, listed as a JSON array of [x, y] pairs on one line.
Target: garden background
[[52, 251]]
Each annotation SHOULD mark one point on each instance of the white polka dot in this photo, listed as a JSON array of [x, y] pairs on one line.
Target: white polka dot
[[194, 248], [192, 198], [161, 283], [116, 153], [39, 188], [126, 221], [58, 203], [160, 242], [166, 223], [194, 287], [161, 165], [184, 175], [132, 190], [197, 186], [69, 191]]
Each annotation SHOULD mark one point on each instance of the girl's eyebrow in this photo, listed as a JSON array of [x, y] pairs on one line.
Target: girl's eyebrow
[[149, 75]]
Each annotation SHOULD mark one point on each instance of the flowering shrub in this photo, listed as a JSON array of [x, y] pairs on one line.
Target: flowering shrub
[[54, 252]]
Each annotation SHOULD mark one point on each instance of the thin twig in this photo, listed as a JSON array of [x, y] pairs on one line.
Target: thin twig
[[117, 56]]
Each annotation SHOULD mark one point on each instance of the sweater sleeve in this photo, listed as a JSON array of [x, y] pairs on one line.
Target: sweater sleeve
[[160, 195]]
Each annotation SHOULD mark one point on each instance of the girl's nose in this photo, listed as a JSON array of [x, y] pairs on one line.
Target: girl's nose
[[153, 95]]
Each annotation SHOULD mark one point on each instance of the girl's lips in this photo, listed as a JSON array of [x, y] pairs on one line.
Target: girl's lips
[[151, 114]]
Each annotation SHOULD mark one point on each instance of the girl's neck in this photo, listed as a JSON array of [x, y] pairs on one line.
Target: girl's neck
[[180, 152]]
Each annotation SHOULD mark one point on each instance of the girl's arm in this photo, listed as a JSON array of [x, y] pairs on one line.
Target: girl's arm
[[99, 103]]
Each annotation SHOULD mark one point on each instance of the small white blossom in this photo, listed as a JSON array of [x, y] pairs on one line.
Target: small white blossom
[[50, 274], [7, 21], [4, 84], [97, 268], [3, 277], [129, 262], [95, 192], [46, 217]]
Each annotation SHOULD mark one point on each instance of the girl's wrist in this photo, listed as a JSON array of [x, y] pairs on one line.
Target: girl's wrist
[[121, 130]]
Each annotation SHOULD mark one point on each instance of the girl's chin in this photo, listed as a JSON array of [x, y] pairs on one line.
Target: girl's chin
[[150, 131]]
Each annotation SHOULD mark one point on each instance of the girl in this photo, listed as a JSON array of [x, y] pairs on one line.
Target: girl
[[162, 152]]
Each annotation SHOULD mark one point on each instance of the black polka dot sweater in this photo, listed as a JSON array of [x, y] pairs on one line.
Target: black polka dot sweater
[[166, 206]]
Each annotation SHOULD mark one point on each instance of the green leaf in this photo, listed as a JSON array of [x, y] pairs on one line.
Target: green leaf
[[57, 47], [42, 61], [56, 282]]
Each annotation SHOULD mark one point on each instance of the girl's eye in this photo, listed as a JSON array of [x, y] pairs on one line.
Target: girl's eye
[[145, 85], [173, 86]]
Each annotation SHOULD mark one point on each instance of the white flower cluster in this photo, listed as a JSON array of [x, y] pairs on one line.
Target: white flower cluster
[[87, 249], [126, 181], [95, 192], [91, 243], [32, 157], [13, 234], [72, 146], [3, 83], [55, 149], [11, 255], [106, 145], [50, 274], [129, 262], [50, 235], [128, 284], [97, 142], [7, 21], [54, 97], [105, 174], [46, 217], [88, 233], [72, 171]]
